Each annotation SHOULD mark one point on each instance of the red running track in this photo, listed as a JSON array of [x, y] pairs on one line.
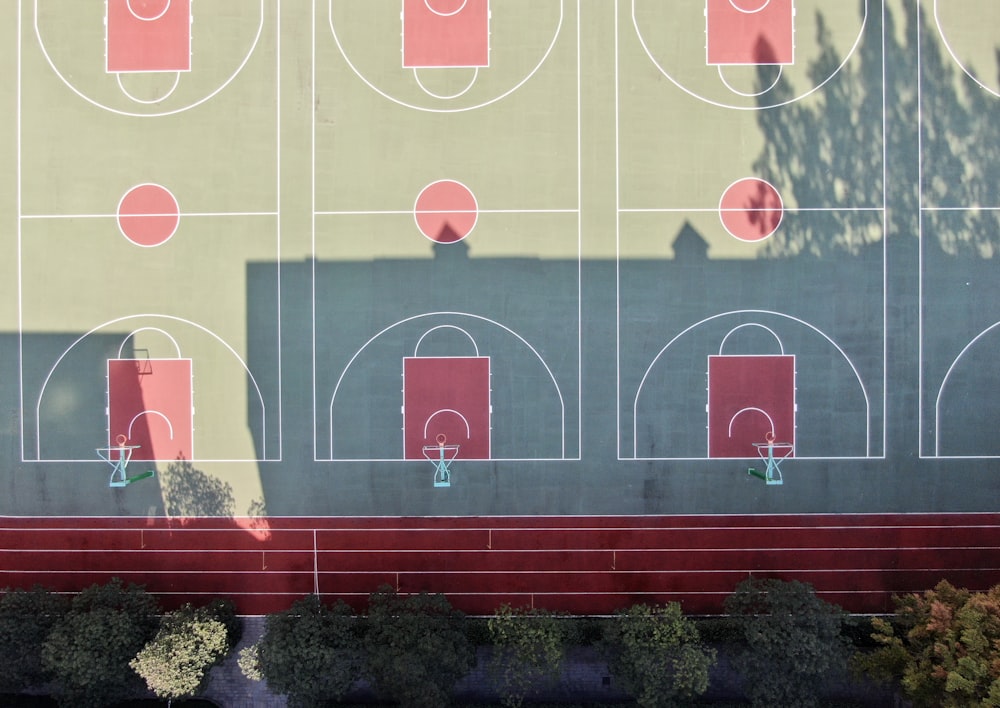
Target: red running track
[[580, 564]]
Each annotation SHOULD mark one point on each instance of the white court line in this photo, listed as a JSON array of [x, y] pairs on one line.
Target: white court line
[[971, 207], [183, 214], [690, 92], [273, 213], [954, 56], [861, 384], [480, 318], [220, 340], [373, 87], [20, 254], [620, 209], [93, 102], [792, 210], [410, 212]]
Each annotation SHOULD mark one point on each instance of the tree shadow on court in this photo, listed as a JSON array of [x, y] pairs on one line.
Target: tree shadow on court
[[827, 150], [189, 492]]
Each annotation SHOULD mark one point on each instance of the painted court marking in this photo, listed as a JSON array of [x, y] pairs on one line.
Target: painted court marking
[[661, 66], [148, 35], [371, 82], [968, 72], [751, 209], [452, 33], [446, 211], [225, 81], [148, 215]]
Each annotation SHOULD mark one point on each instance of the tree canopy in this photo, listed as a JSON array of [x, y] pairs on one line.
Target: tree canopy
[[656, 654], [175, 664], [792, 639], [943, 647], [309, 652], [529, 645], [88, 650], [26, 618], [416, 647]]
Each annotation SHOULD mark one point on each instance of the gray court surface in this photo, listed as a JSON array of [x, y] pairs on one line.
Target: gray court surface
[[599, 276]]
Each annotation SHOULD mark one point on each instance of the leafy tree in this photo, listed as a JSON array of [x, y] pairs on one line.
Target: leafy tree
[[529, 646], [88, 650], [657, 655], [792, 640], [26, 618], [416, 646], [309, 652], [190, 642], [944, 648]]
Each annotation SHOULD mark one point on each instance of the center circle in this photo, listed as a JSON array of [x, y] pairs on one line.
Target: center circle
[[148, 10], [148, 215], [751, 209], [446, 211]]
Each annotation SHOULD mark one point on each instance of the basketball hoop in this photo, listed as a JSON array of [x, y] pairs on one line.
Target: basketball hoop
[[118, 456], [441, 456], [771, 474]]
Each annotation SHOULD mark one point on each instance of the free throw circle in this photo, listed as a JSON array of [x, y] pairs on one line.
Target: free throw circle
[[749, 6], [148, 215], [148, 10], [445, 7], [751, 209], [446, 211]]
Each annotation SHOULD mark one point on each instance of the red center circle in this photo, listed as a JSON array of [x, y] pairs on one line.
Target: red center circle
[[446, 211], [751, 209], [148, 215]]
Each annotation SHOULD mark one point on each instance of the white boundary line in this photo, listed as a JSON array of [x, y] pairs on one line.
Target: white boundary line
[[276, 408], [954, 56], [653, 362], [690, 92], [181, 214], [929, 444], [883, 209], [508, 330], [93, 102], [41, 393], [410, 212], [920, 234], [386, 95]]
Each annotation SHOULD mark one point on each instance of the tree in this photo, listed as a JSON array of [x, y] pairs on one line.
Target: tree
[[88, 650], [189, 643], [657, 655], [416, 647], [944, 648], [792, 641], [529, 646], [309, 652], [26, 618]]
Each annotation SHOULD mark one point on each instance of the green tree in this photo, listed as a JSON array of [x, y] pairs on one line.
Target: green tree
[[792, 641], [416, 647], [309, 652], [656, 654], [944, 648], [529, 646], [189, 643], [89, 649], [26, 618]]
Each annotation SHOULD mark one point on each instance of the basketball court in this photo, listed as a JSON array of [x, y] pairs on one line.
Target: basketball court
[[551, 302]]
